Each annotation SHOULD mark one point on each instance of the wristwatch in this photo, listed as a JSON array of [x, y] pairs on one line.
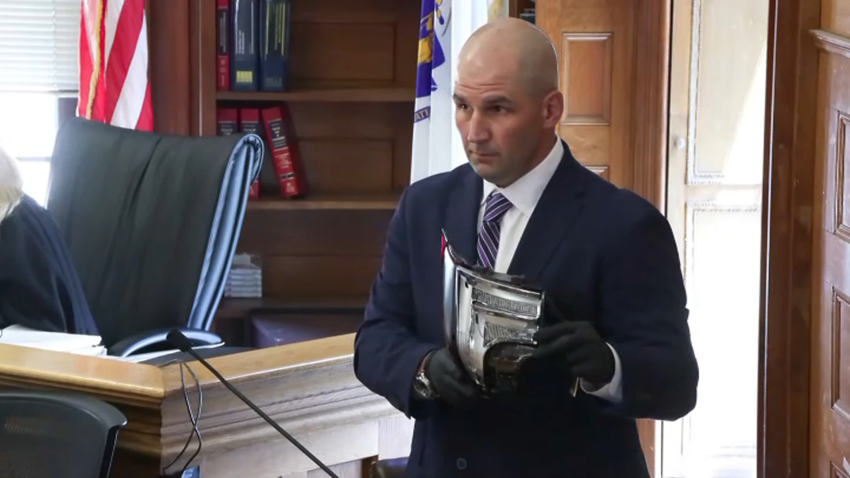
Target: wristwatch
[[421, 385]]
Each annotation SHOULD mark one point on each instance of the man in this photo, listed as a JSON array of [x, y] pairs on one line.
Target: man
[[39, 286], [617, 316]]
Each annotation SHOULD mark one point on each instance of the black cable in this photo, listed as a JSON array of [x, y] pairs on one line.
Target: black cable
[[194, 420]]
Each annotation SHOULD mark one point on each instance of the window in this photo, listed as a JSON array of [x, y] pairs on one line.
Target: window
[[39, 43]]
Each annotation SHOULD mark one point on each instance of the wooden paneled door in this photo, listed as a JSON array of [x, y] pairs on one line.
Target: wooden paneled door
[[804, 414], [614, 77], [829, 436]]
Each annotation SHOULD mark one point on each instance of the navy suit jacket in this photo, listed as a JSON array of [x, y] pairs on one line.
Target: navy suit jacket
[[608, 256]]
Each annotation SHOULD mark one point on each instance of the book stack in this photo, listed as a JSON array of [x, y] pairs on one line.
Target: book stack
[[273, 124], [253, 45], [253, 55], [245, 279]]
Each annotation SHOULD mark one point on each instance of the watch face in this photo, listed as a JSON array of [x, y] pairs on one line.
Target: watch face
[[421, 386]]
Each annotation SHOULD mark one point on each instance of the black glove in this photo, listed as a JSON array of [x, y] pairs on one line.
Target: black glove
[[450, 381], [579, 345]]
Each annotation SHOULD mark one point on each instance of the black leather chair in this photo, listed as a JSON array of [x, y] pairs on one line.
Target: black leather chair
[[151, 222], [57, 435]]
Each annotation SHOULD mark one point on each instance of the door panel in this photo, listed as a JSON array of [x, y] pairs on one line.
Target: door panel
[[597, 79], [830, 361]]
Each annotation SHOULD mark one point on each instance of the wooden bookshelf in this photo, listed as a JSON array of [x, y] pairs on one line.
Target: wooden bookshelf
[[353, 77], [357, 95], [236, 307], [352, 202]]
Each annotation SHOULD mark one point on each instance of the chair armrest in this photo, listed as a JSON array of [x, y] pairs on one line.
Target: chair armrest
[[131, 345]]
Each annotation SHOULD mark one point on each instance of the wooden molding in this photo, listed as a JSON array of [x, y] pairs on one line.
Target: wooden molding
[[649, 134], [831, 42], [170, 73], [784, 354], [652, 66], [203, 67]]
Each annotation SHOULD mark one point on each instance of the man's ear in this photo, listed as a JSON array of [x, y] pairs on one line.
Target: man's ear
[[553, 109]]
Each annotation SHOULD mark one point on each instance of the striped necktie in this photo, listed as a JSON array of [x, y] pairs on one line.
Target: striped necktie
[[488, 237]]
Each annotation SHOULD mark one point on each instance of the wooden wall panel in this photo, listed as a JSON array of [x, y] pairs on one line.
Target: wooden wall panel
[[365, 56], [317, 276], [170, 66], [338, 43], [317, 253], [586, 65], [786, 252], [839, 363], [275, 233], [838, 210]]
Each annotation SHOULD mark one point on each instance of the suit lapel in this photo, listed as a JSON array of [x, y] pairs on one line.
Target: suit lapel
[[553, 216], [461, 224]]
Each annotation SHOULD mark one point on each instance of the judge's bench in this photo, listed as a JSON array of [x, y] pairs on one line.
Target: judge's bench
[[308, 387]]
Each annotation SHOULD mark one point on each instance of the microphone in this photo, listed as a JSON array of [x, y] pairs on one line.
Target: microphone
[[177, 339]]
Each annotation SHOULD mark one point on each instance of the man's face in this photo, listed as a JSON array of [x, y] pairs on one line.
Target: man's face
[[501, 123]]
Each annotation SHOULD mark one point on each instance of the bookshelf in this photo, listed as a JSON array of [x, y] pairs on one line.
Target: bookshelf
[[351, 96], [333, 95]]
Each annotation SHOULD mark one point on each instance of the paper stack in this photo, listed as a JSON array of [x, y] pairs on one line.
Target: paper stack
[[245, 278], [57, 341]]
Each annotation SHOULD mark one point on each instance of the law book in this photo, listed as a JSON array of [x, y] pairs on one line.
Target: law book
[[227, 120], [222, 33], [245, 43], [249, 122], [290, 173], [274, 44]]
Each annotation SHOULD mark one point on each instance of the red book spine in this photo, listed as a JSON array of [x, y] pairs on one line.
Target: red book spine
[[223, 49], [227, 120], [249, 122], [287, 164]]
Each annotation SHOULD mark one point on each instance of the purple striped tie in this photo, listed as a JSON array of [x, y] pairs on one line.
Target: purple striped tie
[[488, 238]]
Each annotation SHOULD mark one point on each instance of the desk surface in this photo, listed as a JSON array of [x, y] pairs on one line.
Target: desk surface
[[27, 366], [307, 387]]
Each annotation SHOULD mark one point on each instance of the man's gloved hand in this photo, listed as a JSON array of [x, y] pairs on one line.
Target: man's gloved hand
[[449, 380], [578, 344]]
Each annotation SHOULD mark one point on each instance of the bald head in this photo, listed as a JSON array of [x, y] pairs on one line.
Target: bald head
[[507, 102], [515, 50]]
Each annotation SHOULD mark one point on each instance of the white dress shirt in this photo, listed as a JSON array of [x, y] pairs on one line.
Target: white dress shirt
[[523, 195]]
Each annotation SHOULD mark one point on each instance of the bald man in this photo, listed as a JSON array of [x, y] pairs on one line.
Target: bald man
[[615, 316]]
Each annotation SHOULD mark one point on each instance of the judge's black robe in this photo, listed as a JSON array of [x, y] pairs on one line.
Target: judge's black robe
[[39, 286]]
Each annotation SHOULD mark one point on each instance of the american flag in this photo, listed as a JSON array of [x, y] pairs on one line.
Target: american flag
[[114, 85]]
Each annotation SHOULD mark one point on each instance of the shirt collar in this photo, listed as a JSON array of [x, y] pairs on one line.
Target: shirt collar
[[526, 191]]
